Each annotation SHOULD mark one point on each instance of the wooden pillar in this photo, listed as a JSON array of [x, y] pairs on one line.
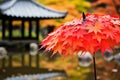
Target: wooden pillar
[[37, 37], [30, 60], [37, 60], [37, 29], [30, 29], [23, 29], [3, 62], [10, 29], [10, 61], [3, 28], [23, 59]]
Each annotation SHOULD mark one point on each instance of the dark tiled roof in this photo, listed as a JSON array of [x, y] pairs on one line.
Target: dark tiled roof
[[28, 9]]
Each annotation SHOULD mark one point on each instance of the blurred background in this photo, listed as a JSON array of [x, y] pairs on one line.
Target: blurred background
[[21, 34]]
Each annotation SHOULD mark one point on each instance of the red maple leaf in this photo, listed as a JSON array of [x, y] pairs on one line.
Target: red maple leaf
[[109, 32], [98, 36], [107, 44], [95, 28]]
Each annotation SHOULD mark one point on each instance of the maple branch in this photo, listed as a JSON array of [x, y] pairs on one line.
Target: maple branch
[[94, 62], [116, 7], [84, 17]]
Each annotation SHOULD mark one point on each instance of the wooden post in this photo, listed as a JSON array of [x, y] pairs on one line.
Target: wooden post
[[30, 60], [30, 29], [22, 29], [10, 61], [37, 60], [3, 62], [37, 37], [37, 29], [3, 28], [23, 59], [10, 29]]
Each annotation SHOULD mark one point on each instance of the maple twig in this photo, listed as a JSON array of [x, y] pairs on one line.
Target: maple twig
[[95, 75], [84, 17], [116, 7]]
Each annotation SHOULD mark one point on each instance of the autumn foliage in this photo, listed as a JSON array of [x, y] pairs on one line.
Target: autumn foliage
[[74, 8], [96, 32], [106, 7]]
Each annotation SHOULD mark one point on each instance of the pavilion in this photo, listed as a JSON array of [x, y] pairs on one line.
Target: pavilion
[[24, 11]]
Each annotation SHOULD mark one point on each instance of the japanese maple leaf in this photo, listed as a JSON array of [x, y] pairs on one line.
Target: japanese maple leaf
[[90, 44], [115, 21], [117, 38], [107, 44], [77, 43], [69, 51], [79, 33], [109, 32], [46, 41], [57, 48], [98, 36], [73, 22], [95, 28]]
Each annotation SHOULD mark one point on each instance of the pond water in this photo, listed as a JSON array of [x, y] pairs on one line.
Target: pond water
[[45, 76], [30, 73]]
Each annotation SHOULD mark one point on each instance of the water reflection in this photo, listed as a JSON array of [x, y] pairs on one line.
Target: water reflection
[[85, 59], [45, 76]]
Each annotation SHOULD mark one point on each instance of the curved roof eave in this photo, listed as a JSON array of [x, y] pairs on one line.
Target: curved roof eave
[[36, 18], [5, 9], [7, 4], [49, 9]]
